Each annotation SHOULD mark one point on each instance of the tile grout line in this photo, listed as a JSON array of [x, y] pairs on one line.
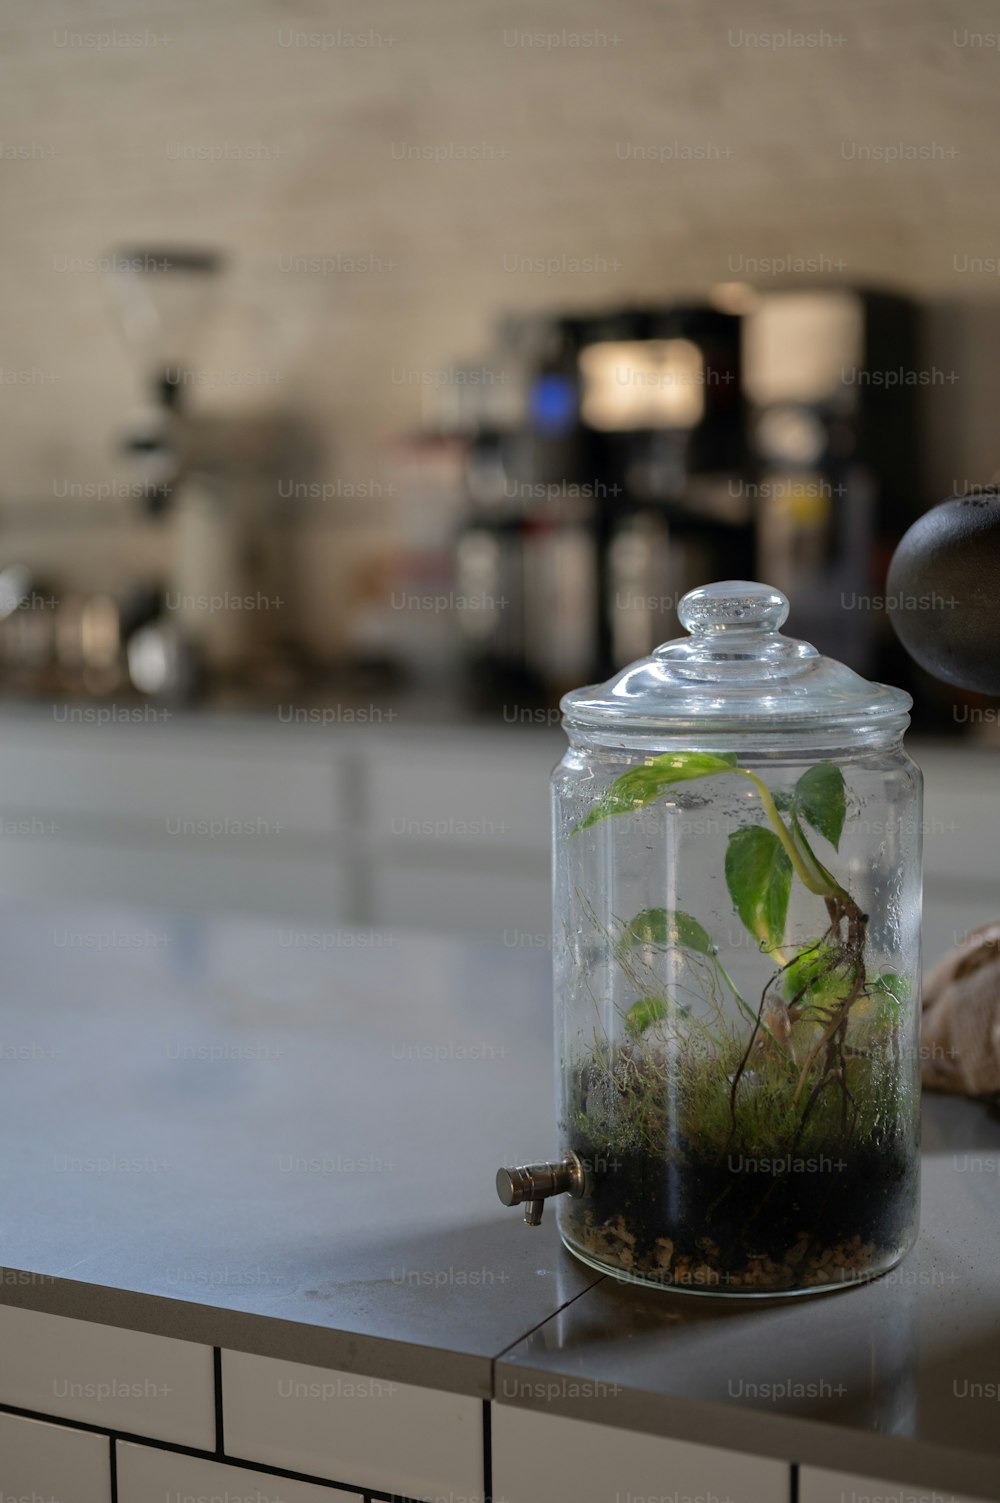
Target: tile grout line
[[113, 1467], [487, 1451], [488, 1403], [177, 1448], [220, 1439]]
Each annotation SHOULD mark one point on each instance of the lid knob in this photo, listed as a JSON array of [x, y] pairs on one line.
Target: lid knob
[[733, 605]]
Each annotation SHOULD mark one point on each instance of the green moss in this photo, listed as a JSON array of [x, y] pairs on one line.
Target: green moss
[[675, 1099]]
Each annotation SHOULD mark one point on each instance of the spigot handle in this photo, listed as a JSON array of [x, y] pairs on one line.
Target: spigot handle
[[531, 1185]]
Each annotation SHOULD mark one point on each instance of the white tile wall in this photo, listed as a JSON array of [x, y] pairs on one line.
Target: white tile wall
[[51, 1463], [542, 1456], [352, 831], [472, 900], [961, 818], [193, 876], [392, 1437], [961, 829], [464, 793], [161, 774], [100, 1375], [817, 1486], [948, 919], [149, 1475]]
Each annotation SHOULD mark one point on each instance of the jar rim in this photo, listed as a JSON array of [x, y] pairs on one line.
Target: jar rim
[[828, 737]]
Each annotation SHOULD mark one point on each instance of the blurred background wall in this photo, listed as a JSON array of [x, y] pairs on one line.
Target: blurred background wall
[[369, 374], [389, 180]]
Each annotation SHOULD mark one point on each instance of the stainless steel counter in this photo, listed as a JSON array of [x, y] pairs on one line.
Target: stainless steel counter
[[899, 1378], [217, 1132], [224, 1132]]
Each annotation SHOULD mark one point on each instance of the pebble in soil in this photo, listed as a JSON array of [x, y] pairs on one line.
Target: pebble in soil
[[801, 1222]]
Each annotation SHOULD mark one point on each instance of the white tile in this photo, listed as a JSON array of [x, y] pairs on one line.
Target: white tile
[[52, 1463], [119, 1380], [816, 1486], [146, 1475], [364, 1432], [947, 919], [493, 798], [179, 877], [168, 776], [538, 1455], [475, 899]]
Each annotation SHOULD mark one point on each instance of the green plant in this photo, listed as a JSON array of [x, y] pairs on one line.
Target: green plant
[[817, 984]]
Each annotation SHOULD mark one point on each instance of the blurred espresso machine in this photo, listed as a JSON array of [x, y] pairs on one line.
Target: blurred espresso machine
[[615, 461], [832, 381]]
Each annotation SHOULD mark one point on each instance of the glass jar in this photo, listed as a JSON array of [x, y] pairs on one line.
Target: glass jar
[[737, 843]]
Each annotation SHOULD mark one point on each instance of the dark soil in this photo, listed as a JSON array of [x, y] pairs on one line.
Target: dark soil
[[725, 1211]]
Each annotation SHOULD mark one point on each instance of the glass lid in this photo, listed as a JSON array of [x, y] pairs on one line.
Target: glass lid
[[735, 671]]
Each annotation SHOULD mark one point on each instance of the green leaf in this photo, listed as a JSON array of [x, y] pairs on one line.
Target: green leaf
[[759, 878], [643, 1014], [820, 880], [668, 927], [641, 785], [805, 971], [821, 800], [818, 977]]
